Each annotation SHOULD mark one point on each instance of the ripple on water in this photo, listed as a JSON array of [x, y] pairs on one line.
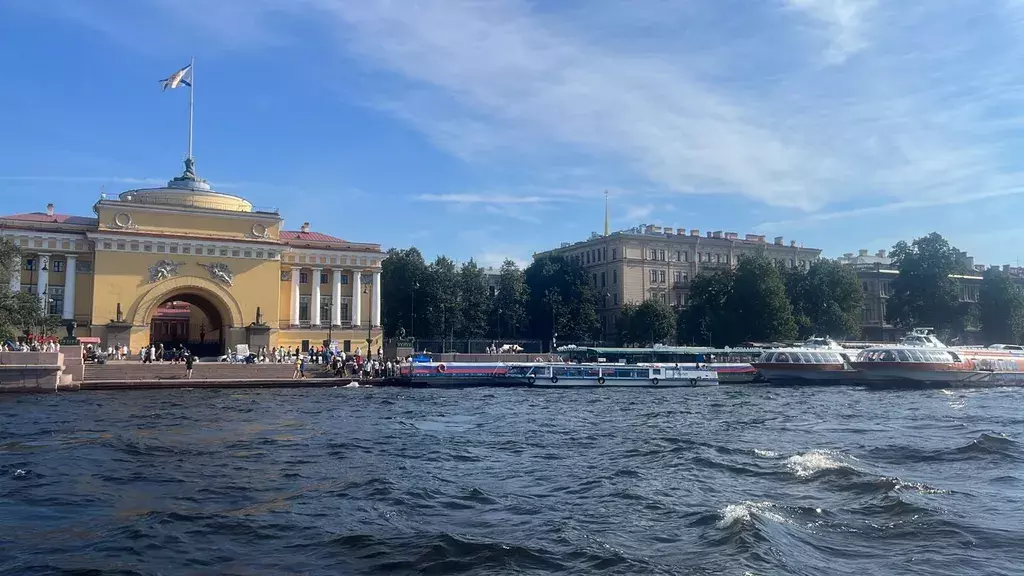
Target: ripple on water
[[752, 480]]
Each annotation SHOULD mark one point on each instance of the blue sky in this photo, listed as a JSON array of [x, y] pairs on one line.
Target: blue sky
[[490, 129]]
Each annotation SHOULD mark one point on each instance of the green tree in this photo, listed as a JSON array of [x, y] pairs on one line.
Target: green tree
[[924, 293], [759, 304], [562, 300], [827, 299], [508, 308], [20, 312], [442, 306], [707, 320], [652, 322], [403, 278], [474, 300], [1001, 309]]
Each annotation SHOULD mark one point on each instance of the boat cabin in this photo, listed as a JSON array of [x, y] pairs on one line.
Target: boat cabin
[[659, 355], [801, 356], [921, 355], [922, 338]]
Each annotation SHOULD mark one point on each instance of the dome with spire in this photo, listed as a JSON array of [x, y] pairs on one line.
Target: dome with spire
[[190, 191]]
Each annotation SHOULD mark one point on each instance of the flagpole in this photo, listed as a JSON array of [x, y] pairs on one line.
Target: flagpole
[[191, 92]]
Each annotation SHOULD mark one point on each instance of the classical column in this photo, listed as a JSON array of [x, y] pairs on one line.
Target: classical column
[[43, 280], [375, 301], [314, 304], [16, 275], [357, 297], [69, 287], [295, 296], [336, 299]]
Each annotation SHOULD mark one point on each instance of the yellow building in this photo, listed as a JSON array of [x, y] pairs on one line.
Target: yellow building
[[229, 267]]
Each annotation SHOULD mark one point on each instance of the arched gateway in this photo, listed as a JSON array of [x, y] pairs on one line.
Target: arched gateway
[[190, 311]]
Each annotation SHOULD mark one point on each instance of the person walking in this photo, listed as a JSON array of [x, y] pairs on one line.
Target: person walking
[[298, 368], [189, 360]]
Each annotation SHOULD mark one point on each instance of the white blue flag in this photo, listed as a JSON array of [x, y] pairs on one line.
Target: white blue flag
[[178, 78]]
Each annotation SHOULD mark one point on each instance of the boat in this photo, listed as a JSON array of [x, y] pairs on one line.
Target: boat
[[817, 361], [423, 371], [555, 375], [733, 365], [921, 360]]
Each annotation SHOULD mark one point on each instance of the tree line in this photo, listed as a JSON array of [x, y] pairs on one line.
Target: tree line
[[759, 300], [21, 313]]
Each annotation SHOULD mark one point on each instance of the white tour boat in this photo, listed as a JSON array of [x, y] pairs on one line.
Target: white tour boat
[[611, 375], [817, 361]]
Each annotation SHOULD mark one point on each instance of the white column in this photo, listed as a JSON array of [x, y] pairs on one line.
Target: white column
[[295, 297], [357, 297], [16, 275], [314, 313], [375, 301], [43, 280], [336, 299], [69, 287]]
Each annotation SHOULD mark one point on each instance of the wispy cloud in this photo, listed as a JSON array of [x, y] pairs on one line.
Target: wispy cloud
[[639, 212], [844, 22], [84, 179], [483, 199]]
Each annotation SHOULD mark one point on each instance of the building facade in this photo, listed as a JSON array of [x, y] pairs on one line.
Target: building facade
[[655, 262], [187, 265]]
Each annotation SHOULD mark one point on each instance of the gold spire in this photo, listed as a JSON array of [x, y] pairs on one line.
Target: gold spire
[[606, 222]]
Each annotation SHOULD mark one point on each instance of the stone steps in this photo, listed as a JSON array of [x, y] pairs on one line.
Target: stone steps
[[136, 371]]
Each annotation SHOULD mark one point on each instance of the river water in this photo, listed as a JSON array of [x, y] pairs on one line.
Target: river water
[[734, 480]]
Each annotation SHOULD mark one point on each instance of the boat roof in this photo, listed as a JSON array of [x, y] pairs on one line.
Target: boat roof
[[658, 350]]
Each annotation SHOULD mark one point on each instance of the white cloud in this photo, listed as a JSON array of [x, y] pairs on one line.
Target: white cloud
[[843, 21], [483, 199], [635, 213]]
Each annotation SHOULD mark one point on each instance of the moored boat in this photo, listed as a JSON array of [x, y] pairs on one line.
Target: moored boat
[[611, 375], [818, 361], [733, 365], [921, 360]]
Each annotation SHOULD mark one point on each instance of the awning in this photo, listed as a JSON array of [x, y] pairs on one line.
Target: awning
[[89, 340]]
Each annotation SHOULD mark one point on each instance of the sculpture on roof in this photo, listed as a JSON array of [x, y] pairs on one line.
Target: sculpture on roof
[[219, 272], [189, 175]]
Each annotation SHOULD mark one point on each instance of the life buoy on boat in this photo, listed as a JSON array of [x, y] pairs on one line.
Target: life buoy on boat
[[538, 359], [693, 381], [600, 379], [554, 379], [654, 381], [441, 369], [531, 380]]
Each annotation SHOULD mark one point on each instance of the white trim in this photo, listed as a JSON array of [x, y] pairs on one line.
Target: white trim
[[343, 259], [269, 251], [139, 206]]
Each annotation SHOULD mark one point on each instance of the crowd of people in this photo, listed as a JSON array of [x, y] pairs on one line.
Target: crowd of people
[[32, 346]]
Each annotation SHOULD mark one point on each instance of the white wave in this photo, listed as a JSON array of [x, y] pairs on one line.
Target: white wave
[[351, 385], [765, 453], [743, 511], [810, 463]]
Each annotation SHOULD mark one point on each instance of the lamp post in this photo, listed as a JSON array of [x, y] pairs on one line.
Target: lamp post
[[369, 326], [412, 314], [330, 321]]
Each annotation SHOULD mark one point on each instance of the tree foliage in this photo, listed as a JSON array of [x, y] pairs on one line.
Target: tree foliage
[[1001, 309], [474, 301], [20, 312], [562, 300], [826, 299], [403, 277], [509, 308], [708, 310], [652, 322], [924, 294], [442, 311]]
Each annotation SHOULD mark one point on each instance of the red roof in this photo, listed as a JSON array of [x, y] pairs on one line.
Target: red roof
[[52, 218], [310, 237]]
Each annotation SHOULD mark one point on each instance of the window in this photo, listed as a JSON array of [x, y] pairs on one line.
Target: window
[[615, 299], [159, 248], [604, 253], [303, 278], [303, 307], [173, 249], [718, 258], [602, 279], [491, 290], [223, 251], [55, 306], [211, 251], [614, 253], [30, 263], [654, 254], [595, 279], [792, 263], [344, 278], [57, 265], [259, 253], [84, 267], [120, 245], [679, 298], [654, 276], [107, 245], [324, 279], [661, 255], [325, 310], [677, 276], [588, 258], [235, 253], [186, 249], [248, 253], [285, 275], [686, 256], [615, 276], [135, 247], [698, 257], [661, 276], [679, 255]]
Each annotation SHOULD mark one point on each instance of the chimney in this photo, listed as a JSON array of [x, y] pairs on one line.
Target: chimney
[[669, 231], [1006, 267], [969, 261], [49, 209], [709, 233], [681, 232], [778, 241], [694, 232], [305, 227], [750, 237], [848, 255], [717, 234], [862, 252], [880, 254], [792, 243]]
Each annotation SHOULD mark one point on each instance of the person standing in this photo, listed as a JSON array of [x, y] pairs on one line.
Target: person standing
[[189, 360]]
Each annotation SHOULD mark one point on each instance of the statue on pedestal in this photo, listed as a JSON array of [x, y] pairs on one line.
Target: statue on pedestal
[[259, 317], [120, 315]]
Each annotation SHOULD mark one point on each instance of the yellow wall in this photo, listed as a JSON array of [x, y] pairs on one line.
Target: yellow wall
[[237, 225], [123, 277]]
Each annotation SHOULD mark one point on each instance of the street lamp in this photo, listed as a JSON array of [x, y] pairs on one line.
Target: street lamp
[[330, 321], [412, 314], [369, 325]]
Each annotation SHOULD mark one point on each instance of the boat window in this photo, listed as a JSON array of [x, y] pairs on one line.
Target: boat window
[[955, 357], [767, 357], [916, 355], [819, 357], [888, 356], [782, 357], [903, 356]]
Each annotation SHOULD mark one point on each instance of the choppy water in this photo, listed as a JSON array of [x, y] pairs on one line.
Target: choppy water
[[734, 480]]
